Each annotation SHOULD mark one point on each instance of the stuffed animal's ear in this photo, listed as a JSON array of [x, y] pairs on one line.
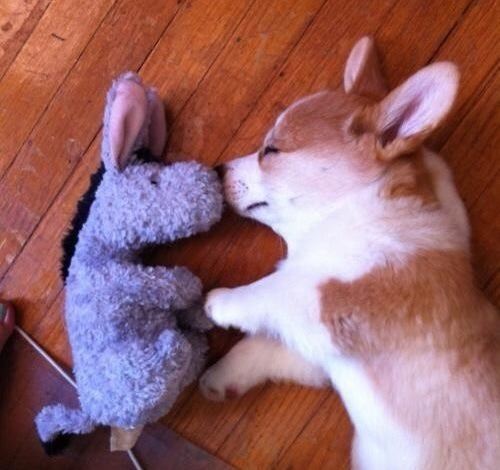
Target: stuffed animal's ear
[[362, 74], [157, 126], [406, 117], [128, 113]]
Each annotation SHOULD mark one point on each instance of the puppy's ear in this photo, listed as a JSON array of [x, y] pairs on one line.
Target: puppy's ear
[[406, 117], [362, 74], [128, 113], [157, 126]]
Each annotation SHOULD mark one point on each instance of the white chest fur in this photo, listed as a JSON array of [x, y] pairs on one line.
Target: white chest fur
[[380, 443]]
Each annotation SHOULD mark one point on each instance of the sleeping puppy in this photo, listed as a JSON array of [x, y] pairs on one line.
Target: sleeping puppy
[[376, 294]]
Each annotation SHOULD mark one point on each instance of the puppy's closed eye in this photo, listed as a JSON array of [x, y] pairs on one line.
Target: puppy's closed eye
[[267, 150], [270, 149]]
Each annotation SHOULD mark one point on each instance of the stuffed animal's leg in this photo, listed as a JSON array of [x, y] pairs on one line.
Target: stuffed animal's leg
[[167, 288], [254, 360]]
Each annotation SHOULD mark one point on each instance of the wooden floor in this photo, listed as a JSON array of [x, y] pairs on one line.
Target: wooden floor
[[225, 68]]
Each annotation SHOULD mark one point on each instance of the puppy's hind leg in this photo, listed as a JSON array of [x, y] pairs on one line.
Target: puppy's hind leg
[[254, 360]]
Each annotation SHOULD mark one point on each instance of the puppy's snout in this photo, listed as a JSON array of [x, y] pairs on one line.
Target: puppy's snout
[[221, 170]]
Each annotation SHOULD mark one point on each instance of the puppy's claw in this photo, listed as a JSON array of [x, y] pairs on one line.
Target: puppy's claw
[[213, 387]]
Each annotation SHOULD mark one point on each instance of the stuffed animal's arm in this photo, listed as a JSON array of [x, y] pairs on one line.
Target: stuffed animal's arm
[[168, 288]]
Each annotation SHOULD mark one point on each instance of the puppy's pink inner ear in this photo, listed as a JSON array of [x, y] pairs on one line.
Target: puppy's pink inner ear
[[157, 128], [407, 116], [394, 129], [363, 74], [128, 114]]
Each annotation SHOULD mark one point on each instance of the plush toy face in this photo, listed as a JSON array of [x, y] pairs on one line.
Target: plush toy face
[[150, 202]]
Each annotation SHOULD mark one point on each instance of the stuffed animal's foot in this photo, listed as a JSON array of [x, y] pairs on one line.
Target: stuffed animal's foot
[[124, 438]]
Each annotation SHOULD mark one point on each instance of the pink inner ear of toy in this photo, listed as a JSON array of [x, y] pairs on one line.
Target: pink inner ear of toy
[[157, 128], [128, 113]]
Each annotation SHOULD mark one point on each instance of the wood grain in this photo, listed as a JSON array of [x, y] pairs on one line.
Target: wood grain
[[43, 63], [239, 75], [471, 151], [17, 21], [473, 46], [225, 69]]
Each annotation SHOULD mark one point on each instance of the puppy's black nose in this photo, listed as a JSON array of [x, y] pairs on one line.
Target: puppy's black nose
[[220, 170]]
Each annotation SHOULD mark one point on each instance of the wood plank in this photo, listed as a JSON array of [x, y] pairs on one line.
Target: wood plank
[[473, 46], [248, 62], [50, 330], [41, 66], [28, 383], [413, 32], [159, 447], [17, 21], [471, 151], [328, 449], [34, 281], [485, 235], [188, 49], [493, 288], [277, 422], [74, 117], [471, 148]]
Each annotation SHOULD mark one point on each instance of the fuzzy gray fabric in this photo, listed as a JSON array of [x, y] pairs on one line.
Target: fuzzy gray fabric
[[135, 331]]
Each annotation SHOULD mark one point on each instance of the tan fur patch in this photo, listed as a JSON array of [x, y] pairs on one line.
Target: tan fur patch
[[408, 177], [319, 128], [430, 298], [425, 319]]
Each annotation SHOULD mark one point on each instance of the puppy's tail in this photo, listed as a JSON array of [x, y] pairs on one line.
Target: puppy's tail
[[56, 423]]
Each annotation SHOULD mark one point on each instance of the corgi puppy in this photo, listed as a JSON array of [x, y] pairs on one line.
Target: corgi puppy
[[376, 295]]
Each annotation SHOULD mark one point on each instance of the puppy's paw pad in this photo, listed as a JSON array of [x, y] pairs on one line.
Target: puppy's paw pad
[[231, 392]]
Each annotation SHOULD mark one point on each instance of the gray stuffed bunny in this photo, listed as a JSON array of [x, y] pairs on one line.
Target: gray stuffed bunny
[[134, 330]]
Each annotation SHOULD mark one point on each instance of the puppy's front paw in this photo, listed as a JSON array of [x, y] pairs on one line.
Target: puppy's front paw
[[216, 306], [216, 385]]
